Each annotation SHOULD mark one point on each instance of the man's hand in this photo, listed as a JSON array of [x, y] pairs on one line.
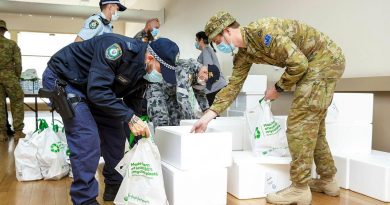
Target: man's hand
[[138, 127], [201, 125], [271, 94]]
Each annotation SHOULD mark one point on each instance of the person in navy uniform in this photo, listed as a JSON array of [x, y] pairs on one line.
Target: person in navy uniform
[[101, 23], [99, 72]]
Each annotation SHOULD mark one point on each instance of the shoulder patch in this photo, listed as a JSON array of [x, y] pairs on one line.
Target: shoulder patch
[[267, 40], [113, 52], [93, 24]]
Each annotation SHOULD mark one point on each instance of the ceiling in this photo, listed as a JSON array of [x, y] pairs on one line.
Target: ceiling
[[138, 10]]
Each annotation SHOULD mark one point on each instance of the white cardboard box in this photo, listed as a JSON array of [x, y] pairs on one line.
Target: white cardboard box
[[195, 187], [351, 108], [254, 177], [370, 175], [245, 101], [184, 150], [234, 125]]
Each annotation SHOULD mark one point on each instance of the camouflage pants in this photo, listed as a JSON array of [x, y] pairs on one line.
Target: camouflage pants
[[306, 133], [9, 84]]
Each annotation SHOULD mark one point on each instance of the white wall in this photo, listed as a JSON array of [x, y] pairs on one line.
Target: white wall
[[360, 27]]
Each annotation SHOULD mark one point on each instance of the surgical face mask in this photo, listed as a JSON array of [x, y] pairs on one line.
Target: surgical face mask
[[201, 82], [154, 76], [225, 48], [115, 16], [197, 45], [155, 32]]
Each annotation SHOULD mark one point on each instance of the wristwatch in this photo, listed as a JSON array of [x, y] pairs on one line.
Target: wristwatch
[[279, 89]]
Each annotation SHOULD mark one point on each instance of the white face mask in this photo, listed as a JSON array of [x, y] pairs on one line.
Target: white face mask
[[201, 82], [115, 16]]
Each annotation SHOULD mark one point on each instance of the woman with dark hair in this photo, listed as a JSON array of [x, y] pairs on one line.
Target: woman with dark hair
[[216, 81]]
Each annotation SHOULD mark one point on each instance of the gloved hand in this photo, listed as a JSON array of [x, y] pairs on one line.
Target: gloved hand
[[201, 125], [138, 127]]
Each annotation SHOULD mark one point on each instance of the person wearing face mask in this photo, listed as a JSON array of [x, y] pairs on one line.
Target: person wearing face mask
[[175, 98], [101, 23], [150, 32], [216, 80], [313, 65], [96, 74]]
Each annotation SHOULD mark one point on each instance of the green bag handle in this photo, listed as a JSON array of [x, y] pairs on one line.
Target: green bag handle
[[144, 118], [42, 125]]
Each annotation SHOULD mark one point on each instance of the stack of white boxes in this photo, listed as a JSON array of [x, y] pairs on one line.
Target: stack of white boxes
[[194, 165], [252, 91]]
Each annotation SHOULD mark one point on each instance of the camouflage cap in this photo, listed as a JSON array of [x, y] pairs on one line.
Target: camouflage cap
[[217, 23], [3, 25]]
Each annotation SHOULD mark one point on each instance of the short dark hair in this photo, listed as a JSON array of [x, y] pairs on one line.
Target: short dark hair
[[235, 24], [202, 35], [153, 19]]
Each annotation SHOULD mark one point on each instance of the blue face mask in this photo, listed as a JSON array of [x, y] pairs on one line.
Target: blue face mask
[[197, 45], [226, 48], [153, 77], [154, 32]]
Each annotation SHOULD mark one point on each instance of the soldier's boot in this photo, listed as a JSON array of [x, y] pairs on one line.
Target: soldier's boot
[[18, 134], [3, 136], [329, 186], [291, 195]]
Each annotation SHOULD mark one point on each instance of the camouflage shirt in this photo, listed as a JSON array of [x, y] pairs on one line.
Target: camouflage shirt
[[305, 53], [10, 56]]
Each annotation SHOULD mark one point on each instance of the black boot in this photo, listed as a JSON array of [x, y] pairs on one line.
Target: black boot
[[110, 192]]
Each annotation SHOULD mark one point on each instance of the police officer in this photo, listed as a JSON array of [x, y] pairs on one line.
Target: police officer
[[98, 73], [99, 24], [177, 97], [314, 64], [10, 71], [150, 31]]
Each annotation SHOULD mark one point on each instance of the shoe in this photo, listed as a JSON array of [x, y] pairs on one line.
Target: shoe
[[18, 135], [3, 136], [110, 192], [291, 195], [329, 186]]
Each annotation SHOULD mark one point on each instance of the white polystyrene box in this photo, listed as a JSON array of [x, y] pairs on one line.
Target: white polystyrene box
[[254, 177], [342, 164], [351, 108], [234, 125], [349, 138], [370, 175], [203, 186], [255, 84], [184, 150], [235, 113], [245, 101]]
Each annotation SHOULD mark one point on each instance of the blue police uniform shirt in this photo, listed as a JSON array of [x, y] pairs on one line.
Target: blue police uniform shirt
[[105, 68], [94, 26]]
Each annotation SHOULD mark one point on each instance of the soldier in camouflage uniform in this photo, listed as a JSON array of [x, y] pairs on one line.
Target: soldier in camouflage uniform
[[169, 102], [10, 71], [314, 64], [150, 31]]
